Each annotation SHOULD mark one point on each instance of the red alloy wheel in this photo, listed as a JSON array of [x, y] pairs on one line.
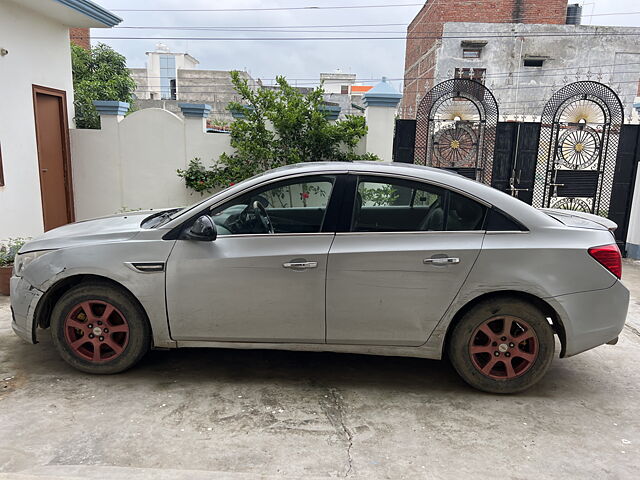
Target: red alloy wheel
[[96, 331], [503, 347]]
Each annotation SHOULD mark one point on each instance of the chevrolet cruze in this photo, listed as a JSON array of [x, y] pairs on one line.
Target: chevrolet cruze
[[370, 258]]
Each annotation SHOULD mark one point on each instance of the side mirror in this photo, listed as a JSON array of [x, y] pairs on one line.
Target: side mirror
[[202, 230]]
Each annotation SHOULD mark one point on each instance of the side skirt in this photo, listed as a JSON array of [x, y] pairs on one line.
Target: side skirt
[[419, 352]]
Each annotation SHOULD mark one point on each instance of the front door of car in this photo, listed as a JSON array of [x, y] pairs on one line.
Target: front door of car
[[251, 285], [408, 250]]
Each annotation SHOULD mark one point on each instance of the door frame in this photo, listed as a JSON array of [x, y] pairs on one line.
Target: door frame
[[66, 164]]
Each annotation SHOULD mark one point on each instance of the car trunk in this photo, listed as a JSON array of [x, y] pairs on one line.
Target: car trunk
[[572, 218]]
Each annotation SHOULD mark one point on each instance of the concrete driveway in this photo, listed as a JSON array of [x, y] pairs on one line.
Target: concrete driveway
[[264, 414]]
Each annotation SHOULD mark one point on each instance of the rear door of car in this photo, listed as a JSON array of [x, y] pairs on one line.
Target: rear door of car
[[405, 249]]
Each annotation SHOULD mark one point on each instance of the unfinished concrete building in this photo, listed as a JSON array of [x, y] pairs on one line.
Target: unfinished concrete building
[[522, 50]]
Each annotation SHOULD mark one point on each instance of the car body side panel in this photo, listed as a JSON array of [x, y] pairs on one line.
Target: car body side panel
[[108, 261], [237, 289], [549, 263], [380, 291]]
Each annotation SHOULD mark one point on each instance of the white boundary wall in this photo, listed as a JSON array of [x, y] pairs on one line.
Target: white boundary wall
[[131, 163]]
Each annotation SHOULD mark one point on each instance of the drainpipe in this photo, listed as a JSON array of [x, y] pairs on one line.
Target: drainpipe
[[518, 71]]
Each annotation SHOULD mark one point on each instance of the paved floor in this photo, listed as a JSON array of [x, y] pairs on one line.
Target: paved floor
[[263, 414]]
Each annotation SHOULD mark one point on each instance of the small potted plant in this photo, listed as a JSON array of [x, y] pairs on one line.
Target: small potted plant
[[8, 251]]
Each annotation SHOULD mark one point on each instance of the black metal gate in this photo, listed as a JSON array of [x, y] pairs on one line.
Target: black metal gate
[[404, 141], [578, 147], [579, 157], [456, 128], [515, 157], [624, 180]]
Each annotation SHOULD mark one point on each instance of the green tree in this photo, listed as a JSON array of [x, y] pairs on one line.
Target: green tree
[[98, 74], [280, 127]]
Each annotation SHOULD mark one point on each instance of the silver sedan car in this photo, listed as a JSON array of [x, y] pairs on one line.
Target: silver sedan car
[[370, 258]]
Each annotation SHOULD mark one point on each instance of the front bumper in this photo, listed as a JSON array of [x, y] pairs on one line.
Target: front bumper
[[592, 318], [24, 298]]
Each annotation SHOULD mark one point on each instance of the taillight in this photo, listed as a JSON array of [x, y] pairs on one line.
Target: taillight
[[609, 257]]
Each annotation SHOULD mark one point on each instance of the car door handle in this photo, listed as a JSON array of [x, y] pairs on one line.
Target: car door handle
[[441, 260], [300, 265]]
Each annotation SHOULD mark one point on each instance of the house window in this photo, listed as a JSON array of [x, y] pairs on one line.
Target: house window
[[344, 89], [471, 52], [476, 74], [533, 62], [167, 75]]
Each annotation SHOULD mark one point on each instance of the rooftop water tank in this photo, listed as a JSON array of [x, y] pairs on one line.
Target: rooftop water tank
[[574, 14]]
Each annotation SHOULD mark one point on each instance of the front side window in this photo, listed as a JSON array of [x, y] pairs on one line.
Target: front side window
[[292, 206], [396, 205]]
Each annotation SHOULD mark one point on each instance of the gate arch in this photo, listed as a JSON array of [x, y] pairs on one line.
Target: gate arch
[[456, 128], [578, 146]]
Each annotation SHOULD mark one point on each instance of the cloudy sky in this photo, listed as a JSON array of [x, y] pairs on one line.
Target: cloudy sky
[[300, 61]]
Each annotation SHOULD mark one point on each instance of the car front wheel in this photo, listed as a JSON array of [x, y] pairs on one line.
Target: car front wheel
[[502, 346], [99, 329]]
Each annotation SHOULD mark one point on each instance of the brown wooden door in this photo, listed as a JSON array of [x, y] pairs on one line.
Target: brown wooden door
[[53, 156]]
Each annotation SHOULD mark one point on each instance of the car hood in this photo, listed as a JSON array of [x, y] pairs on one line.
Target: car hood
[[115, 228]]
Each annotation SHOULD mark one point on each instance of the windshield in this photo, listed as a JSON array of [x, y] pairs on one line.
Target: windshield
[[180, 211]]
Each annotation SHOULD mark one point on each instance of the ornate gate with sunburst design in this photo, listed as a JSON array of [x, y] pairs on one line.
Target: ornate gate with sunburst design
[[456, 128], [578, 147]]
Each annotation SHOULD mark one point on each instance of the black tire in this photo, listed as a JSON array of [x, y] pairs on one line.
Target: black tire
[[467, 334], [134, 344]]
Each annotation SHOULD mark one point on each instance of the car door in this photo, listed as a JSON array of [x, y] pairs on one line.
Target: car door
[[250, 285], [407, 251]]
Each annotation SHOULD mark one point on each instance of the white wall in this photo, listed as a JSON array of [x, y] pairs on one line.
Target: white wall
[[633, 234], [380, 124], [131, 162], [39, 53]]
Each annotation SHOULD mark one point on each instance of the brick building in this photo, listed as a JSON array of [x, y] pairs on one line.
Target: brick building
[[425, 31], [80, 37]]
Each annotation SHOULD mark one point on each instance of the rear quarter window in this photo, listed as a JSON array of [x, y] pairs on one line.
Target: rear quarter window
[[498, 221]]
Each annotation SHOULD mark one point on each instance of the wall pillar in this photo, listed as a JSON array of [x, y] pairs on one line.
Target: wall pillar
[[633, 233], [331, 112], [110, 111], [381, 104], [103, 185], [195, 125]]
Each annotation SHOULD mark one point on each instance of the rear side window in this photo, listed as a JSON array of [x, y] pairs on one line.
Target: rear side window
[[397, 205], [464, 213]]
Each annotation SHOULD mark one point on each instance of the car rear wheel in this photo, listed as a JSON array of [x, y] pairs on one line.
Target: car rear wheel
[[502, 346], [97, 328]]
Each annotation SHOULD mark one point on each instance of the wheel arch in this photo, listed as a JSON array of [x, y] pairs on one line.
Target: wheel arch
[[550, 312], [42, 314]]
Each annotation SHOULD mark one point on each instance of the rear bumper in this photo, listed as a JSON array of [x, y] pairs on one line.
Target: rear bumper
[[592, 318], [24, 298]]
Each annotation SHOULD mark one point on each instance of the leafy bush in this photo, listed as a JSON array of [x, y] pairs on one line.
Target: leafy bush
[[98, 74], [197, 177], [280, 127], [8, 251]]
